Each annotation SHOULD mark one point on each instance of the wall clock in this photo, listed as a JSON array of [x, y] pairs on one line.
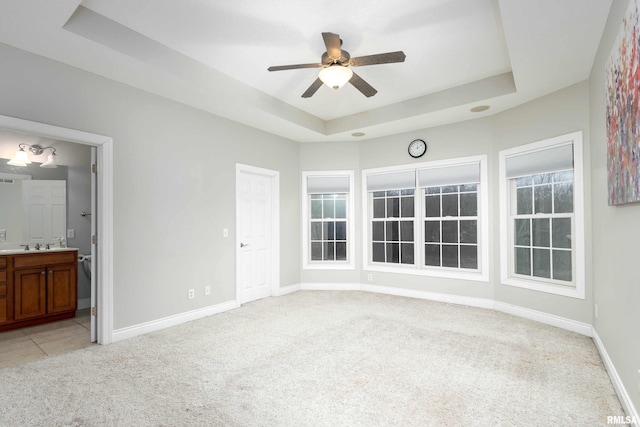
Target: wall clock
[[417, 148]]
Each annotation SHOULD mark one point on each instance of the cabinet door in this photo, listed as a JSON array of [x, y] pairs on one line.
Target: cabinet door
[[30, 292], [62, 283]]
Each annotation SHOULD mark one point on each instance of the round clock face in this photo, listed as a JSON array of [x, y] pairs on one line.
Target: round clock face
[[417, 148]]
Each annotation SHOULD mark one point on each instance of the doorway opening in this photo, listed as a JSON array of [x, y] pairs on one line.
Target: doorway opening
[[101, 306]]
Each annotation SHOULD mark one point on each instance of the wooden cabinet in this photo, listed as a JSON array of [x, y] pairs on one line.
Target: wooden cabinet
[[4, 289], [43, 288]]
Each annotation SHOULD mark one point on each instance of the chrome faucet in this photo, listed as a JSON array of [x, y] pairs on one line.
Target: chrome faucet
[[26, 247], [37, 247], [48, 246]]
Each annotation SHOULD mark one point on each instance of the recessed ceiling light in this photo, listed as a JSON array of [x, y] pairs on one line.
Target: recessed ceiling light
[[480, 108], [357, 134]]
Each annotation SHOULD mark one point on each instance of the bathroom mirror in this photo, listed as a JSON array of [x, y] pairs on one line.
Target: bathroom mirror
[[48, 186]]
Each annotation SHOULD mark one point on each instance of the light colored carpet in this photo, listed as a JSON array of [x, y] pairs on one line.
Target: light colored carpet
[[323, 359]]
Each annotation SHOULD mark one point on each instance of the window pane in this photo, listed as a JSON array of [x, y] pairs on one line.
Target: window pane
[[316, 209], [432, 255], [432, 206], [341, 251], [378, 252], [563, 198], [378, 194], [407, 207], [561, 232], [432, 231], [450, 231], [329, 254], [469, 187], [523, 261], [469, 231], [562, 265], [393, 233], [316, 231], [449, 205], [450, 189], [316, 251], [523, 232], [542, 263], [432, 190], [544, 178], [377, 230], [564, 176], [469, 204], [341, 230], [328, 231], [393, 207], [341, 209], [524, 200], [378, 208], [469, 257], [450, 256], [328, 209], [393, 252], [407, 192], [393, 193], [542, 199], [407, 253], [540, 231], [406, 231]]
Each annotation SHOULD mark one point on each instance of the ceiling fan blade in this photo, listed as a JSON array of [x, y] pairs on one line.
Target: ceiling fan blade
[[332, 42], [294, 67], [364, 87], [381, 58], [312, 89]]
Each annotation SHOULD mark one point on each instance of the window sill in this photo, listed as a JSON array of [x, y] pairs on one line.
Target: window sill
[[476, 276], [567, 291]]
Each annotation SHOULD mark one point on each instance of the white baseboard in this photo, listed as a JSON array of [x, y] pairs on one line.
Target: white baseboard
[[84, 303], [166, 322], [546, 318], [287, 290], [330, 286], [627, 404]]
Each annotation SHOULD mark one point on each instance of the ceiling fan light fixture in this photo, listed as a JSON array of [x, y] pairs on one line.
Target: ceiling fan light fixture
[[335, 76]]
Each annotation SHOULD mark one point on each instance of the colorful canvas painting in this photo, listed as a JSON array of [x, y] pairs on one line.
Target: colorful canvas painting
[[623, 112]]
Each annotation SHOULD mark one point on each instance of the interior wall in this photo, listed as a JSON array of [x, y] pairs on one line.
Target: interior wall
[[174, 175], [616, 233], [555, 114]]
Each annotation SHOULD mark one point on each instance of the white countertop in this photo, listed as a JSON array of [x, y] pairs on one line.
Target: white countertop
[[33, 251]]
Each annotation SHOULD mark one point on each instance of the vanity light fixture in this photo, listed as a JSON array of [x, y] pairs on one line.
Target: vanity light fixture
[[21, 158]]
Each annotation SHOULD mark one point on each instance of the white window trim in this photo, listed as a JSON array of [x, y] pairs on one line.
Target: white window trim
[[578, 207], [350, 264], [482, 274]]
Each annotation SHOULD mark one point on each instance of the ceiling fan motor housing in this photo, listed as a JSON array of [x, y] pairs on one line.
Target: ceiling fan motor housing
[[343, 60]]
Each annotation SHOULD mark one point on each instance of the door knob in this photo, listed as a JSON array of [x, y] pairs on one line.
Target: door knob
[[242, 245]]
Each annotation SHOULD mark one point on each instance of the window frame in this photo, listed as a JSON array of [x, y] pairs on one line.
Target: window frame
[[507, 241], [419, 268], [307, 263]]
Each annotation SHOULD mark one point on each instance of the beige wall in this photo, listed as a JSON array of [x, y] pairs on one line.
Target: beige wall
[[616, 233], [174, 174]]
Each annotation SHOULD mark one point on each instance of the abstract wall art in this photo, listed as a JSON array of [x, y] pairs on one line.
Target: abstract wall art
[[622, 76]]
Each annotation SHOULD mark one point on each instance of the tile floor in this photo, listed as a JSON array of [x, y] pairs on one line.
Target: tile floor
[[35, 342]]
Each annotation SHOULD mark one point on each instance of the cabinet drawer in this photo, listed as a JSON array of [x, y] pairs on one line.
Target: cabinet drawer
[[36, 260], [3, 310], [3, 276], [3, 290], [3, 262]]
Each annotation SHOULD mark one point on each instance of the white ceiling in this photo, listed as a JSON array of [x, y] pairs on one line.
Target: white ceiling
[[214, 55]]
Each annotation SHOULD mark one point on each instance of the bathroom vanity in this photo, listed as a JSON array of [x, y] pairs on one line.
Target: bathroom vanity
[[37, 286]]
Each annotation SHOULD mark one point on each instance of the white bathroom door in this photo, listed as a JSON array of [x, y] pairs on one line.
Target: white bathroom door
[[257, 218]]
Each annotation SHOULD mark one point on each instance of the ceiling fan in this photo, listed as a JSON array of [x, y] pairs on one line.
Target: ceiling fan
[[335, 65]]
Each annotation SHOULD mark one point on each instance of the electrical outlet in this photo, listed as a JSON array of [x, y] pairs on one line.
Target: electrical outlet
[[595, 310], [225, 232], [192, 293], [71, 233], [370, 277], [3, 235], [207, 290]]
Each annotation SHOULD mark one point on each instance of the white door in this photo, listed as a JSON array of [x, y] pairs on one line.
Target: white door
[[256, 232], [44, 207], [94, 247]]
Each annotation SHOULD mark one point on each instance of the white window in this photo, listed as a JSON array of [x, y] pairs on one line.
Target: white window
[[327, 209], [542, 216], [427, 219]]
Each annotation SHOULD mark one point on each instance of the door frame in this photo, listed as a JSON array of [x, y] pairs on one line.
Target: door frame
[[104, 210], [275, 225]]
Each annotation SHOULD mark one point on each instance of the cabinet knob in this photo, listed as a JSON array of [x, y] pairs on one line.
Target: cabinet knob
[[42, 272]]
